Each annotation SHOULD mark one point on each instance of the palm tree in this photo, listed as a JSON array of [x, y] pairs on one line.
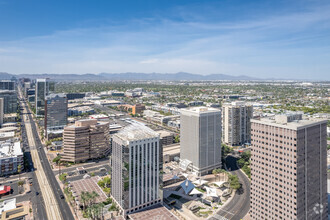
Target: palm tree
[[19, 170], [83, 197], [93, 196]]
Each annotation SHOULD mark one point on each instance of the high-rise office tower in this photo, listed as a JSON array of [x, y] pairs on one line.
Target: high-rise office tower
[[136, 168], [201, 138], [86, 139], [56, 111], [9, 101], [43, 88], [236, 125], [289, 168], [7, 85]]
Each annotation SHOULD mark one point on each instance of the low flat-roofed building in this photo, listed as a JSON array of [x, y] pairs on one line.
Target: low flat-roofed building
[[170, 152], [13, 211], [7, 205], [99, 117], [9, 124], [10, 117], [11, 156], [6, 135], [105, 102], [166, 137], [8, 129]]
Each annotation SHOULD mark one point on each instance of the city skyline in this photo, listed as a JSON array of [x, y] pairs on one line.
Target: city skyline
[[282, 39]]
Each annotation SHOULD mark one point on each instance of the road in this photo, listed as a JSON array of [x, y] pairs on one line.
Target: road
[[239, 205], [56, 208]]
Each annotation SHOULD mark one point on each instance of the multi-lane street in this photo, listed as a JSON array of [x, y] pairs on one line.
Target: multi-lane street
[[56, 208], [239, 205]]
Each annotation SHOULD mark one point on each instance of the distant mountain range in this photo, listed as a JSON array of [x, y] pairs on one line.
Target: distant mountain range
[[128, 76]]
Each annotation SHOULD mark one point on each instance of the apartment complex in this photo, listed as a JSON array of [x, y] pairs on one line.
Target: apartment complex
[[236, 125], [56, 111], [201, 138], [9, 101], [86, 139], [288, 168], [11, 156], [136, 169], [43, 88]]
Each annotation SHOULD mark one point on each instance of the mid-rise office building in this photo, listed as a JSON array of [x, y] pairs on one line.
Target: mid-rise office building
[[201, 138], [288, 168], [56, 111], [9, 101], [136, 168], [11, 157], [43, 88], [236, 125], [1, 111], [7, 85], [86, 139]]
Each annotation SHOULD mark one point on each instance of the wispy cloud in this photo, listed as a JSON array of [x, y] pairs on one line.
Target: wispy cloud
[[275, 44]]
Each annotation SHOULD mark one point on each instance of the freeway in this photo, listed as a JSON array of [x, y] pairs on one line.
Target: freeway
[[56, 208], [239, 205]]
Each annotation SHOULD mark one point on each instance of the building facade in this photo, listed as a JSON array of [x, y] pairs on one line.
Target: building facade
[[43, 88], [288, 169], [1, 111], [56, 111], [11, 157], [7, 85], [87, 139], [136, 168], [9, 101], [236, 125], [201, 138]]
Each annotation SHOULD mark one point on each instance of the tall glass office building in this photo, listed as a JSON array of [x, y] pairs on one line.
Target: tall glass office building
[[9, 101], [43, 88]]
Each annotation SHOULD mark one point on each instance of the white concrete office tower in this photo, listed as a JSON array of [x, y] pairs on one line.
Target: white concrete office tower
[[201, 138], [136, 168], [43, 88], [236, 125], [1, 111]]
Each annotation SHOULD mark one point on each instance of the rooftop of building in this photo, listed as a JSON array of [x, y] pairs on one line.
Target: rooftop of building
[[236, 104], [7, 205], [154, 212], [164, 133], [289, 124], [10, 148], [55, 95], [136, 131], [172, 149], [200, 110]]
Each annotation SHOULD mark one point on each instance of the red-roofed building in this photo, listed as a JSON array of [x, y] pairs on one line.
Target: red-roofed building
[[4, 190]]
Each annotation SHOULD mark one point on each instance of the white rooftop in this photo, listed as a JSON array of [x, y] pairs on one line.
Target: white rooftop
[[135, 132], [7, 205], [10, 149], [200, 110], [289, 125]]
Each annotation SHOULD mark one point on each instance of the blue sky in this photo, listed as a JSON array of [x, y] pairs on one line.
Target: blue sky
[[281, 39]]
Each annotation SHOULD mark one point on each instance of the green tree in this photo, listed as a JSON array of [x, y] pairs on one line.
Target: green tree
[[234, 182]]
